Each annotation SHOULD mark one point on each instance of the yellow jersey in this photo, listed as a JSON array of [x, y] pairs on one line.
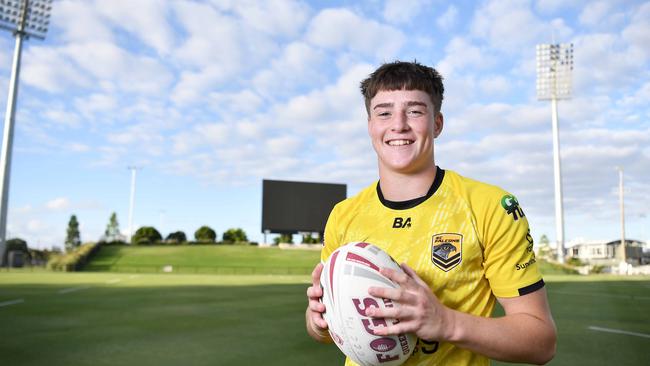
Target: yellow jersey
[[469, 241]]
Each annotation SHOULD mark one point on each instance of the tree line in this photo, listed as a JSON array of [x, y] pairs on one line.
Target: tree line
[[147, 235]]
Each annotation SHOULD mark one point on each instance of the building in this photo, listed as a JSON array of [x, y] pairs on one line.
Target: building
[[604, 253]]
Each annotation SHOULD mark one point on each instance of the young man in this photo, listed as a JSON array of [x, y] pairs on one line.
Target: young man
[[463, 244]]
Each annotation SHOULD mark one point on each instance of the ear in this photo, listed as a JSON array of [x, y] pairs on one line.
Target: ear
[[438, 123]]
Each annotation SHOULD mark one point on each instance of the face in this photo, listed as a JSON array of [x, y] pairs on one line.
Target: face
[[402, 126]]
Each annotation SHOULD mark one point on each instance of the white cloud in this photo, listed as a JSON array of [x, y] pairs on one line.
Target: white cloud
[[460, 54], [79, 21], [60, 203], [146, 19], [637, 33], [341, 29], [397, 11], [275, 17], [448, 19], [511, 26], [595, 12]]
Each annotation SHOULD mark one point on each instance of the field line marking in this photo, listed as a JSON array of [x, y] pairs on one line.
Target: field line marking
[[11, 302], [114, 280], [631, 297], [618, 331], [72, 289]]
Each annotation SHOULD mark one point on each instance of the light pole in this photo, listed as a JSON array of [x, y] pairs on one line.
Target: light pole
[[554, 68], [621, 255], [133, 170], [24, 18]]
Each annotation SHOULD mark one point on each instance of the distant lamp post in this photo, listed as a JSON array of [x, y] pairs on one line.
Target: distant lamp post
[[621, 255], [24, 18], [133, 170], [554, 69]]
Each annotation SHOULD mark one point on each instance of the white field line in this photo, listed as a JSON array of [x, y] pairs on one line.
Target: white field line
[[114, 280], [618, 331], [631, 297], [11, 302], [72, 289]]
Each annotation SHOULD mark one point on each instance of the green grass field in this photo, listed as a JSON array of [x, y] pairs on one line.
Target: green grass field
[[221, 259], [111, 318]]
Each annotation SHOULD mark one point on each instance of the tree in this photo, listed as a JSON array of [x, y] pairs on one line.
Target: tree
[[146, 235], [73, 237], [112, 232], [283, 238], [176, 237], [16, 244], [544, 251], [205, 234], [308, 239], [234, 235]]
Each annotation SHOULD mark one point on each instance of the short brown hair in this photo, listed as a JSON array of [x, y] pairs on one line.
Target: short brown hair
[[400, 75]]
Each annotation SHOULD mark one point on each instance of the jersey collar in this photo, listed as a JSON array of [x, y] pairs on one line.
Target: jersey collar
[[404, 205]]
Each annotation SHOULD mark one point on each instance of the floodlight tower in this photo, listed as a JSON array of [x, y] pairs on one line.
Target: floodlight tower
[[620, 255], [554, 69], [24, 18], [133, 170]]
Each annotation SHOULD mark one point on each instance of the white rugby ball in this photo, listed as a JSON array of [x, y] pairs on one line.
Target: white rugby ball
[[348, 273]]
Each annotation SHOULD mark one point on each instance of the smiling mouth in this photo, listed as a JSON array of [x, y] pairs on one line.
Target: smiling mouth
[[399, 142]]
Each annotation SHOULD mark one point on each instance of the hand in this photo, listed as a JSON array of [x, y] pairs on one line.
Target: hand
[[315, 308], [420, 312]]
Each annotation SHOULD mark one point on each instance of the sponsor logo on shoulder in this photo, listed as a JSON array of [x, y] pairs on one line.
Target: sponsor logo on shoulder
[[446, 250], [511, 205]]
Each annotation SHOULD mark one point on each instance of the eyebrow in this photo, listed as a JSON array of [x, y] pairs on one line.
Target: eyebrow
[[408, 104]]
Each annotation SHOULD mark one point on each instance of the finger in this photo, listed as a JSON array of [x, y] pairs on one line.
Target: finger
[[315, 274], [395, 276], [387, 313], [411, 273], [316, 306], [395, 294], [314, 292], [317, 320], [393, 329]]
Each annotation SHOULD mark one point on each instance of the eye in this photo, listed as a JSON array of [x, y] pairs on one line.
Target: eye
[[383, 114]]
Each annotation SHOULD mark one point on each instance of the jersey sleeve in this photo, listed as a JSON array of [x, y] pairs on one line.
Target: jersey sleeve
[[509, 259], [332, 236]]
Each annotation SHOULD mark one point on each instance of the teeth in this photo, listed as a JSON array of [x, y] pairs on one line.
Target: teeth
[[399, 142]]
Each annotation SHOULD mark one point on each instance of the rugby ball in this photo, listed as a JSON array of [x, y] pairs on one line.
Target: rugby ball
[[348, 273]]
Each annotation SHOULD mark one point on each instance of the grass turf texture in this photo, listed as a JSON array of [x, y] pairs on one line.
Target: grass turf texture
[[222, 259], [171, 319]]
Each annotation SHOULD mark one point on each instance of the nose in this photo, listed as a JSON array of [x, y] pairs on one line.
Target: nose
[[400, 122]]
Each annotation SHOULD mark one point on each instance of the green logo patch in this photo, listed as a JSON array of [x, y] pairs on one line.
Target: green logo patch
[[511, 205]]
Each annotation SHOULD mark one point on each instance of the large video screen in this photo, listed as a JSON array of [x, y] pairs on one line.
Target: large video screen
[[291, 207]]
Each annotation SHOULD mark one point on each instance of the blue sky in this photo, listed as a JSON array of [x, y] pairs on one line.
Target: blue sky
[[211, 97]]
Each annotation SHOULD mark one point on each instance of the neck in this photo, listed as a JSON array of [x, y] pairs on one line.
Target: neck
[[402, 187]]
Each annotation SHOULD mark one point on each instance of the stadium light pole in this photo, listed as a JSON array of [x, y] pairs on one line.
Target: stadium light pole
[[24, 18], [133, 170], [554, 69], [621, 252]]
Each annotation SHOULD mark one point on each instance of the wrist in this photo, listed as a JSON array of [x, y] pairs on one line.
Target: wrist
[[453, 327]]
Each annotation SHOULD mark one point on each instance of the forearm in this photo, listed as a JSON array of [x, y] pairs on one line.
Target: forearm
[[316, 332], [518, 337]]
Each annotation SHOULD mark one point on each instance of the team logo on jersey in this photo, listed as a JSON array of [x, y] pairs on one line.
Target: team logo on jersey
[[511, 205], [446, 250]]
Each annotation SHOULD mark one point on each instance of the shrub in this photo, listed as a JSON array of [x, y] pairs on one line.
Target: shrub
[[74, 260], [205, 234], [146, 235], [235, 235], [176, 237]]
